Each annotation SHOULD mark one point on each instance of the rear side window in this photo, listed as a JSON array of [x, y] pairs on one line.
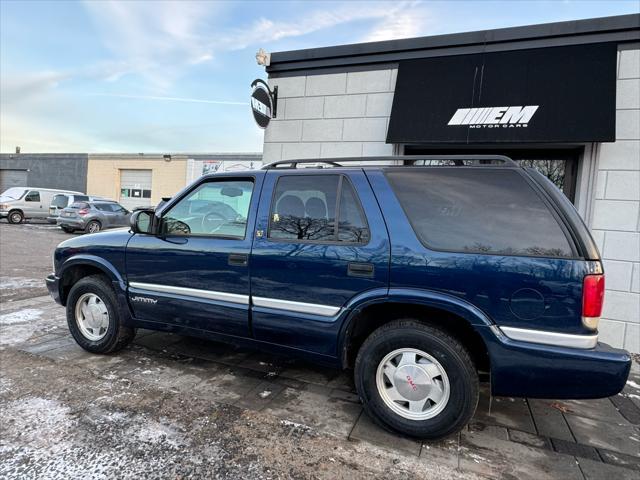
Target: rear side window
[[478, 211], [60, 201], [103, 207], [80, 198], [305, 208]]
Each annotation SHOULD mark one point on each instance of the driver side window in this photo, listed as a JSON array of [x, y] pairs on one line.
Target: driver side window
[[215, 209]]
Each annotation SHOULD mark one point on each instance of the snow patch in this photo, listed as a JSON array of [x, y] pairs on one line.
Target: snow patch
[[16, 327], [21, 316], [15, 283], [633, 384]]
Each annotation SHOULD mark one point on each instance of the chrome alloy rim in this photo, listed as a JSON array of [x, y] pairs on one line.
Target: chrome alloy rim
[[92, 317], [413, 384], [94, 227]]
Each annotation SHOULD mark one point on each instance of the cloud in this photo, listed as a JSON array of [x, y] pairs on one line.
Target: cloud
[[153, 39], [170, 99], [409, 21]]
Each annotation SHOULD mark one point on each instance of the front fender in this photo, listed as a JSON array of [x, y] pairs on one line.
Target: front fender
[[105, 266]]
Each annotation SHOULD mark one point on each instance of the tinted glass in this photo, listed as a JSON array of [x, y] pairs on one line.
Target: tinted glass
[[32, 196], [304, 208], [103, 207], [217, 209], [78, 205], [352, 226], [478, 210], [80, 198], [60, 201]]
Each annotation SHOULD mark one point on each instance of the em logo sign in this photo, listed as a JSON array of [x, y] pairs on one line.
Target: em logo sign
[[482, 117]]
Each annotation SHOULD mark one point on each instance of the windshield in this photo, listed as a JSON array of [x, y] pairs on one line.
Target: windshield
[[14, 193]]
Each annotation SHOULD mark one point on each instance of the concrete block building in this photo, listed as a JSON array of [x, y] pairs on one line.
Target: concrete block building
[[475, 93]]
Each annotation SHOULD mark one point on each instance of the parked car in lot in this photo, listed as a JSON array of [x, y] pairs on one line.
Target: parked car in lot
[[423, 279], [91, 217], [63, 200], [20, 203]]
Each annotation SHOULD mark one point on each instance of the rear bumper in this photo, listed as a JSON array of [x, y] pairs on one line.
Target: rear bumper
[[52, 220], [525, 369], [70, 222], [53, 285]]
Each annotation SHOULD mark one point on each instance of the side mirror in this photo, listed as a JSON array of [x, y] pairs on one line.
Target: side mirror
[[141, 221]]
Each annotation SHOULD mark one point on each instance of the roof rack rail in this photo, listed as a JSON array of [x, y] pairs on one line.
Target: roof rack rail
[[429, 160]]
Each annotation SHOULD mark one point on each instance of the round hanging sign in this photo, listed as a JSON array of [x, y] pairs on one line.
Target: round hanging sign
[[262, 103]]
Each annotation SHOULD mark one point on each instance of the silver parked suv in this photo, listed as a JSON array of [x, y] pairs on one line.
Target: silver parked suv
[[91, 217]]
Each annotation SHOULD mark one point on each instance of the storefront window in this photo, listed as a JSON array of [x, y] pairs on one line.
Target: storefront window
[[559, 166]]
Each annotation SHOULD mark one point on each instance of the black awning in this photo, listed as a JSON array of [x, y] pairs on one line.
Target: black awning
[[544, 95]]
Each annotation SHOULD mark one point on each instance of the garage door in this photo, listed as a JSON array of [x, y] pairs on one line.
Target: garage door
[[12, 178], [135, 188]]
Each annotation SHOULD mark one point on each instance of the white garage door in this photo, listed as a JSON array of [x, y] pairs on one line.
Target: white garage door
[[135, 188], [12, 178]]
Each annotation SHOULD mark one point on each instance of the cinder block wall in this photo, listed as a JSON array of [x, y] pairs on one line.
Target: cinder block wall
[[331, 115], [167, 178], [615, 221]]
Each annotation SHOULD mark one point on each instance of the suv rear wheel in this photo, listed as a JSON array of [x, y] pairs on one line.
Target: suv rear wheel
[[93, 227], [416, 379], [93, 316]]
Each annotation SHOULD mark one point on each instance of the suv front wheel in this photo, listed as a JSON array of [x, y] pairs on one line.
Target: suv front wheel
[[416, 379], [93, 316]]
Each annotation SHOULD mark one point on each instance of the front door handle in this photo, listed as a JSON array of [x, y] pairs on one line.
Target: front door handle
[[238, 259], [360, 270]]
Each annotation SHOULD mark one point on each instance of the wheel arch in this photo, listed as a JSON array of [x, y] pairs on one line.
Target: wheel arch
[[75, 268], [456, 316]]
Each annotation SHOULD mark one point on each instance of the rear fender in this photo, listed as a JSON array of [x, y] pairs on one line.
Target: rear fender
[[429, 298]]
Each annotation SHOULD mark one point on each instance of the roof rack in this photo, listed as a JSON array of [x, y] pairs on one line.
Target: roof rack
[[429, 160]]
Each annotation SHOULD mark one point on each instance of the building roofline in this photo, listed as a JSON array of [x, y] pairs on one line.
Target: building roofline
[[620, 28]]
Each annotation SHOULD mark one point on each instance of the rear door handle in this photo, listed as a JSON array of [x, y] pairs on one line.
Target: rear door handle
[[360, 270], [238, 259]]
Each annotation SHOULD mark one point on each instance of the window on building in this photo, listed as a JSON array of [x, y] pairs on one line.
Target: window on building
[[558, 165], [474, 210], [305, 208]]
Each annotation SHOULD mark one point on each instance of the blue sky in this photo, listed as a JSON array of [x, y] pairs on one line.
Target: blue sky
[[101, 76]]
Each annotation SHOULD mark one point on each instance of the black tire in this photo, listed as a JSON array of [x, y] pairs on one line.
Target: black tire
[[93, 226], [117, 335], [15, 216], [448, 351], [67, 229]]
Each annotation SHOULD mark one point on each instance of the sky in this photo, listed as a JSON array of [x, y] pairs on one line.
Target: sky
[[158, 77]]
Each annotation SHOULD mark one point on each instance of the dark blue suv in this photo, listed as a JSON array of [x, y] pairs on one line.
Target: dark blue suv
[[423, 279]]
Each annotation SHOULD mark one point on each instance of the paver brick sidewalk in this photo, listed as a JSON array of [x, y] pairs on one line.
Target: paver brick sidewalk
[[522, 438]]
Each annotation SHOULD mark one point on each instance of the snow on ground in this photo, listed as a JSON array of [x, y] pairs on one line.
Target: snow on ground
[[14, 283], [16, 327]]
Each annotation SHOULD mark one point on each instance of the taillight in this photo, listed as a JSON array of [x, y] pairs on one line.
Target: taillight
[[592, 300], [83, 211]]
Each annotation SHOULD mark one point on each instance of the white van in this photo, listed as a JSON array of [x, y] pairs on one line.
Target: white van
[[63, 200], [20, 203]]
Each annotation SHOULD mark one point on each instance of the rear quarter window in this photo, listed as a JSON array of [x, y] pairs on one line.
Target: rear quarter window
[[474, 210]]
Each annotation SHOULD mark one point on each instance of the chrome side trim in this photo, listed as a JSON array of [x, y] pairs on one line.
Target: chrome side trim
[[300, 307], [193, 292], [551, 338]]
